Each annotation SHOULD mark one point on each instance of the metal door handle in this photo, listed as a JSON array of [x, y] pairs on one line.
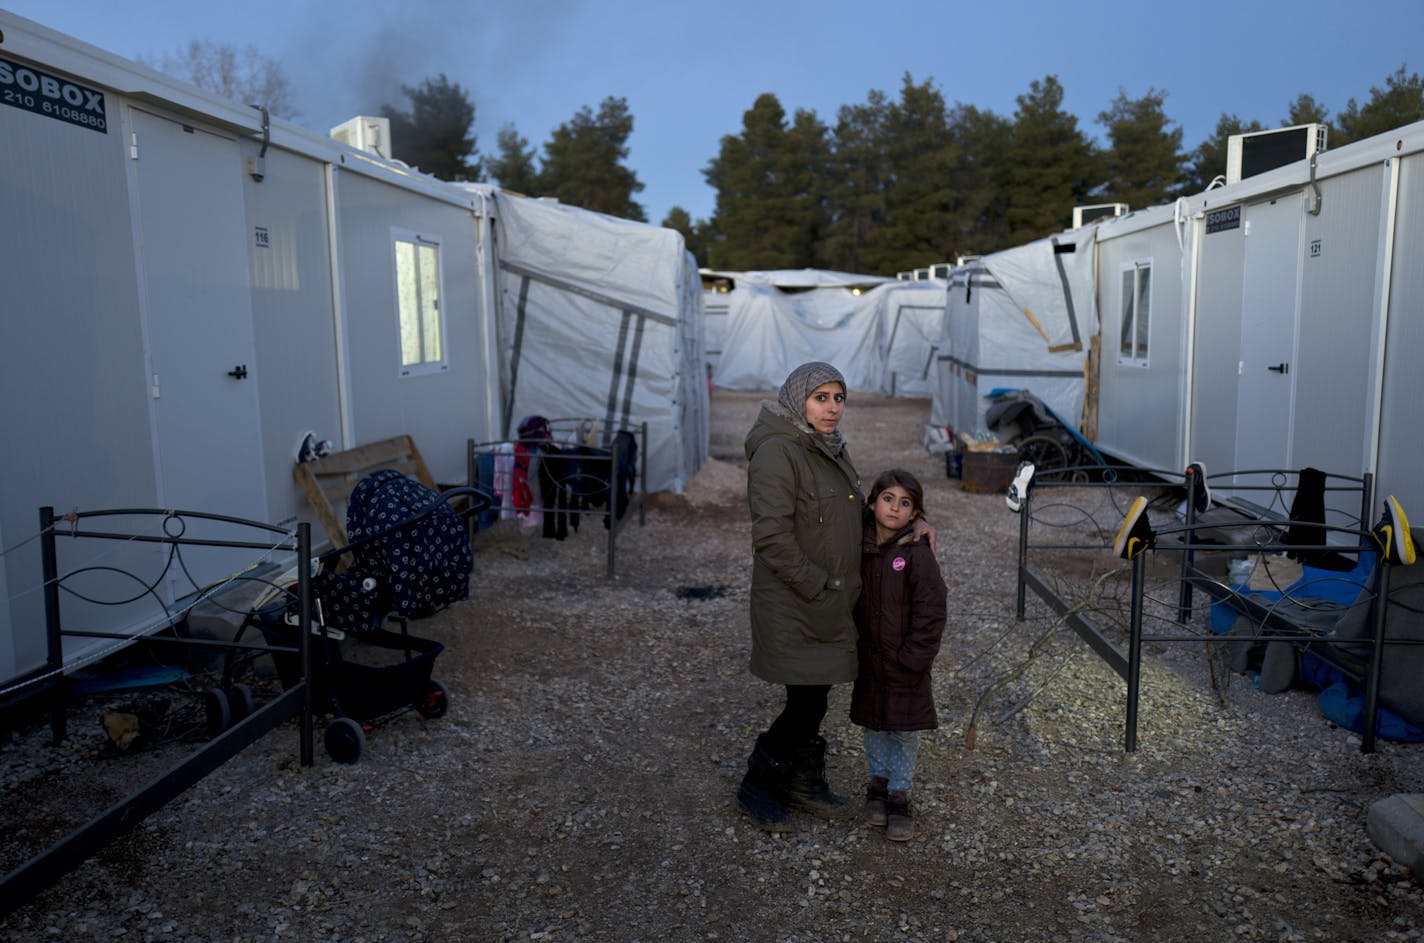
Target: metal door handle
[[239, 372], [1280, 368]]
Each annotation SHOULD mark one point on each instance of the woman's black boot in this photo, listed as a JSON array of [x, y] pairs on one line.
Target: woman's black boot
[[807, 789], [760, 793]]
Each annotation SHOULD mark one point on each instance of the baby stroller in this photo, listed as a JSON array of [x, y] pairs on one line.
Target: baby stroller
[[1057, 450], [409, 557]]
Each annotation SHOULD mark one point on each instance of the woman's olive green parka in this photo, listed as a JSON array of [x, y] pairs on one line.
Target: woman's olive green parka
[[806, 506]]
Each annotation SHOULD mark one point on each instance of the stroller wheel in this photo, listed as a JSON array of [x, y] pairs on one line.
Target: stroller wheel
[[344, 740], [435, 702], [1048, 455], [217, 710], [240, 700]]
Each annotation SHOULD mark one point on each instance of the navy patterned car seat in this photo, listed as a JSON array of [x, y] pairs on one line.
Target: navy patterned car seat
[[413, 571]]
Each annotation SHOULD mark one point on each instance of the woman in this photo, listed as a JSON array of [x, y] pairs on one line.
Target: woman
[[806, 506]]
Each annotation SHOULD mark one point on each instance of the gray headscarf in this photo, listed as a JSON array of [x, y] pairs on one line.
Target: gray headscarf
[[798, 388]]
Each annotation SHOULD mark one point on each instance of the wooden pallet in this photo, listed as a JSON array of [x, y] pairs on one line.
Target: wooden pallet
[[328, 482]]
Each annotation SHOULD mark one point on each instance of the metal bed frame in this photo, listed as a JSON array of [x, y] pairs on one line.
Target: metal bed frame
[[51, 864], [1193, 542]]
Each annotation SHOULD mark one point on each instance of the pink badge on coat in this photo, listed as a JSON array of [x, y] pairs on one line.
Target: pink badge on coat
[[897, 564]]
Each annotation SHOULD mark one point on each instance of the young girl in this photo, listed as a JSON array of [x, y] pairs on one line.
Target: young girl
[[899, 619]]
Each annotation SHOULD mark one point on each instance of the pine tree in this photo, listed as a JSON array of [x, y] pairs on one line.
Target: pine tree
[[768, 191], [806, 166], [513, 167], [919, 192], [1400, 102], [1305, 110], [984, 141], [694, 234], [1049, 166], [435, 135], [1208, 160], [583, 162], [1144, 163], [855, 193]]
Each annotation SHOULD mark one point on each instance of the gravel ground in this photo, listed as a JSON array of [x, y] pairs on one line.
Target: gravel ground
[[581, 785]]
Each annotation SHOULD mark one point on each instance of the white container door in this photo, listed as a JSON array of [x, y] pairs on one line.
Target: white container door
[[1270, 308], [192, 230]]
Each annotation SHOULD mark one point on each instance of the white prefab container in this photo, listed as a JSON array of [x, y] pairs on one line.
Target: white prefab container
[[1297, 314], [1020, 319], [1142, 344], [1313, 341], [79, 418], [128, 328], [190, 290], [1398, 328], [440, 400], [1282, 326], [1283, 358]]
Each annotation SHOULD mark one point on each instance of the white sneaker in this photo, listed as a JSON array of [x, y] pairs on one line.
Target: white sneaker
[[1018, 488]]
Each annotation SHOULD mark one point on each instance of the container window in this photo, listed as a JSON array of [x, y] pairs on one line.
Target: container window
[[422, 329], [1136, 313]]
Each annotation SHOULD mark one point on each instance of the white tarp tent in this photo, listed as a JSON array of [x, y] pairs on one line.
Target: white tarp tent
[[601, 318], [911, 327], [777, 320], [1018, 319]]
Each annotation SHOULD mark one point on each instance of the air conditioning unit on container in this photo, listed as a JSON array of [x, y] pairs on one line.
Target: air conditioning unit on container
[[1259, 151], [366, 133], [1083, 215]]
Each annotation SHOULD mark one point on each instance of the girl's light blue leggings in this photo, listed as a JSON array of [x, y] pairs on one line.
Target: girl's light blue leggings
[[891, 754]]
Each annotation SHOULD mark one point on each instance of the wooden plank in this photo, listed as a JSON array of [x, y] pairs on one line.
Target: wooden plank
[[1089, 425], [417, 465], [364, 458], [329, 481], [341, 489], [320, 505]]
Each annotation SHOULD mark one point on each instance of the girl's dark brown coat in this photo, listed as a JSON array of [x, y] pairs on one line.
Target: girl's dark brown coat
[[899, 621]]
